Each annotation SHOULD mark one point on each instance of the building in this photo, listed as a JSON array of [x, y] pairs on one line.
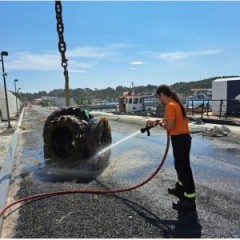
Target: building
[[58, 102], [53, 101], [226, 96], [201, 93], [12, 104]]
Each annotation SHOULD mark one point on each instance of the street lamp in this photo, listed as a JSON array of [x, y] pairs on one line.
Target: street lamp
[[4, 53], [15, 81], [19, 97]]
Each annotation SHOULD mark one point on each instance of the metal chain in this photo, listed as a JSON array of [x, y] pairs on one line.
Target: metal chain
[[62, 47]]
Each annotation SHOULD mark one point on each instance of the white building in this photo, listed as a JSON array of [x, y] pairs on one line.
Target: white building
[[226, 96], [62, 102], [12, 104], [55, 101]]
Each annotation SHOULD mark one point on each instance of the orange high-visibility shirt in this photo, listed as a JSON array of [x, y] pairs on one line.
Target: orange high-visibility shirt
[[173, 112]]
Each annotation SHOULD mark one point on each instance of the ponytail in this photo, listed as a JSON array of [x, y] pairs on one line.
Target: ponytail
[[175, 97], [169, 93]]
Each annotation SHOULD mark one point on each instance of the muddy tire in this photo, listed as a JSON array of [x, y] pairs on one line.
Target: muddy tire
[[64, 139], [98, 137], [72, 136], [77, 112]]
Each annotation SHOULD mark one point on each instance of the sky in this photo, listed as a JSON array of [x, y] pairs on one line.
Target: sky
[[117, 43]]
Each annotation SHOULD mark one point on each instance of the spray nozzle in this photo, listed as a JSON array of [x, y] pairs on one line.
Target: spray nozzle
[[147, 128]]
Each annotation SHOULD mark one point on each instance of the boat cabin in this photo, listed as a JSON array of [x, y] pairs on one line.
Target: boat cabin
[[130, 102]]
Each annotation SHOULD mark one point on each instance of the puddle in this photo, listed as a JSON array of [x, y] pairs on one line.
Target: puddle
[[135, 159], [55, 173], [222, 152]]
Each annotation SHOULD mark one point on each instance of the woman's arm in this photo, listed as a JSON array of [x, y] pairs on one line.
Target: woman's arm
[[167, 124]]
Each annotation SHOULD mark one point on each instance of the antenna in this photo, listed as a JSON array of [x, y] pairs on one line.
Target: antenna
[[132, 87]]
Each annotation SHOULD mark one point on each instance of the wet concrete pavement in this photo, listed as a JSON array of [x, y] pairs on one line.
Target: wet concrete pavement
[[145, 212]]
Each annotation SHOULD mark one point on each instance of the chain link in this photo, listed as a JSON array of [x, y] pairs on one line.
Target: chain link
[[62, 47]]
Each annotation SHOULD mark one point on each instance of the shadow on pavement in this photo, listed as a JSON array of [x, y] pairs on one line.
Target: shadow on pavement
[[186, 226]]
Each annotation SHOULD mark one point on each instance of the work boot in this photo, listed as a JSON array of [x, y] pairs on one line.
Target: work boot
[[176, 191], [185, 204]]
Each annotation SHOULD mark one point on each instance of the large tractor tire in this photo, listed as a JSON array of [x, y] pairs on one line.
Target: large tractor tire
[[77, 112], [98, 138], [64, 139], [73, 135], [72, 111]]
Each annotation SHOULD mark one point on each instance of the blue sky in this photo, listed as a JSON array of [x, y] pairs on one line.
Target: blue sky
[[112, 44]]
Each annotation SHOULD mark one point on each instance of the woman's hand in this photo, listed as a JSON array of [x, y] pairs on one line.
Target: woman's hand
[[153, 123]]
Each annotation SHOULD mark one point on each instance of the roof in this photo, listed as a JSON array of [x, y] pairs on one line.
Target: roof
[[199, 89], [2, 92], [227, 79], [131, 96]]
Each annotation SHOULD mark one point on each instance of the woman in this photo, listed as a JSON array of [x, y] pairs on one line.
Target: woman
[[176, 123]]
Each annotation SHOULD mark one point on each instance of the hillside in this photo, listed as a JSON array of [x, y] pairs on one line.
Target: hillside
[[185, 87], [88, 94]]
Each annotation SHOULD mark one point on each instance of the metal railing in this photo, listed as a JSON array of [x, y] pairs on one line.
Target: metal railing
[[219, 108]]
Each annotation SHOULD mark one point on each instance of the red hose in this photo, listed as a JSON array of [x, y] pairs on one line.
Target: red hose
[[101, 191]]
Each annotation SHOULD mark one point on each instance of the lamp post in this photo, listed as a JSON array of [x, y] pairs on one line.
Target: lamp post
[[19, 97], [4, 53], [15, 83]]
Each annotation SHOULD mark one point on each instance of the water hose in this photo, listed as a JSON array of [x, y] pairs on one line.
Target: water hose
[[93, 191]]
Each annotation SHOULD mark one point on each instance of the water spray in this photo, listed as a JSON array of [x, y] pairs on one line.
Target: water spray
[[142, 130], [117, 143], [98, 191]]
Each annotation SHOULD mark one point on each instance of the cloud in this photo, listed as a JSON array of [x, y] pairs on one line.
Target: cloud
[[80, 58], [97, 52], [119, 46], [76, 71], [79, 65], [137, 63], [89, 52], [30, 61], [171, 56], [52, 61]]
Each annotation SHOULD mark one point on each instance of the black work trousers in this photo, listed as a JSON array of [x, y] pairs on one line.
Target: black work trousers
[[181, 151]]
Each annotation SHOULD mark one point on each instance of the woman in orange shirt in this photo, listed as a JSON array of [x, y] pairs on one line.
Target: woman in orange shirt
[[176, 123]]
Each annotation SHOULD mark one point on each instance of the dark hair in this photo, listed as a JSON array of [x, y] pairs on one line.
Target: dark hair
[[166, 90]]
